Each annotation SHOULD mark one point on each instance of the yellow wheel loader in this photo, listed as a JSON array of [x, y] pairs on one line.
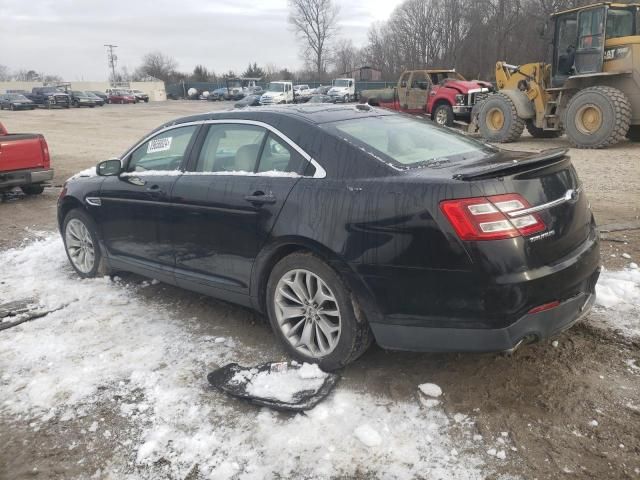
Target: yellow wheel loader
[[590, 91]]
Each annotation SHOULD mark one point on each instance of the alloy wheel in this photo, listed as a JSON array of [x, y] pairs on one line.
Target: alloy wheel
[[441, 117], [307, 313], [79, 245]]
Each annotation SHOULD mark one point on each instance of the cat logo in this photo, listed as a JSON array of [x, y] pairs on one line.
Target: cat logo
[[615, 53]]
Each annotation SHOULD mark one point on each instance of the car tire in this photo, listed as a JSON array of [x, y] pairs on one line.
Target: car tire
[[597, 117], [345, 99], [443, 115], [79, 227], [499, 121], [34, 189], [353, 335], [146, 100]]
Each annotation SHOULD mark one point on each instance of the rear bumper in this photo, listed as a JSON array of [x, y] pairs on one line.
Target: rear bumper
[[18, 178], [531, 327]]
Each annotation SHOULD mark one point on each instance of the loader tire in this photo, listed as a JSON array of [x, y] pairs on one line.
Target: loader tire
[[537, 132], [499, 121], [597, 117]]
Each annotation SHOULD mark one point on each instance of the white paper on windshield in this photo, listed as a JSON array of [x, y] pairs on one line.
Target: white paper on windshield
[[159, 145]]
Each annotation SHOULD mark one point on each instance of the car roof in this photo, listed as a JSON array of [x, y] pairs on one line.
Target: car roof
[[314, 114]]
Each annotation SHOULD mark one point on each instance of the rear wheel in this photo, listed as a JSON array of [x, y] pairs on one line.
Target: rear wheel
[[597, 117], [81, 244], [443, 115], [537, 132], [499, 120], [35, 189], [313, 313]]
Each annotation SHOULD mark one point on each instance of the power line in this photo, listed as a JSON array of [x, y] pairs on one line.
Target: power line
[[112, 59]]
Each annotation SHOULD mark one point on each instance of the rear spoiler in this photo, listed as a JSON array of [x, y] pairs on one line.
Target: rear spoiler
[[544, 158]]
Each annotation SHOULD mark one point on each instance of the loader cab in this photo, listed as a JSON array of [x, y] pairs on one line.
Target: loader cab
[[580, 36]]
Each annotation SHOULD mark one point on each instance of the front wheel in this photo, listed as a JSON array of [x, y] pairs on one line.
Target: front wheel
[[597, 117], [313, 313], [443, 115], [498, 120], [81, 244]]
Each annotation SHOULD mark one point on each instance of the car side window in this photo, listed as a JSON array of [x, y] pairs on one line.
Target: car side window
[[163, 152], [231, 148], [278, 156]]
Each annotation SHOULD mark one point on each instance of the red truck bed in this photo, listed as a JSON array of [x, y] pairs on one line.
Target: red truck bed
[[24, 161]]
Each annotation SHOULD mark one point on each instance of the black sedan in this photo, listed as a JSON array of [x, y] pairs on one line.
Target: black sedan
[[15, 101], [248, 101], [100, 94], [99, 101], [81, 99], [345, 224]]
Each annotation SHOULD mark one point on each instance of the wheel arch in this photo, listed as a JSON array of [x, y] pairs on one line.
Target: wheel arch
[[66, 205], [439, 102], [271, 254]]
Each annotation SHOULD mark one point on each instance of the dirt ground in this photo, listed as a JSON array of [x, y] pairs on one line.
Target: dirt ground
[[544, 395]]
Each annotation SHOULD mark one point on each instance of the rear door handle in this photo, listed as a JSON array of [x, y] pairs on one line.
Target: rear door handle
[[259, 198]]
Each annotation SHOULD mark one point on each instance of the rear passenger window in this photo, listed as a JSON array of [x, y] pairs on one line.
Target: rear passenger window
[[278, 156], [230, 148]]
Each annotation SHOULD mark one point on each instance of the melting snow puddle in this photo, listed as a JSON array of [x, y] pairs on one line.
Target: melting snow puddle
[[109, 342]]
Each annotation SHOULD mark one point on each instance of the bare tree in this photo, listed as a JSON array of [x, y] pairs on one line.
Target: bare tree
[[315, 21], [5, 75], [345, 56], [158, 65]]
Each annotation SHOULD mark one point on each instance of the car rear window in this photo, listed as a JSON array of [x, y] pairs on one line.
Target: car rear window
[[406, 142]]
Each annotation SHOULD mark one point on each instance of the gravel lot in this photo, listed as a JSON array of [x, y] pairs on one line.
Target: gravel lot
[[86, 392]]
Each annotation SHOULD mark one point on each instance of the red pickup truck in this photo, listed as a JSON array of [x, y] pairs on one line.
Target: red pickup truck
[[444, 95], [24, 162]]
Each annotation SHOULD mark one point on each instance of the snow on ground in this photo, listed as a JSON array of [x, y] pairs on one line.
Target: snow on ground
[[618, 301], [108, 343]]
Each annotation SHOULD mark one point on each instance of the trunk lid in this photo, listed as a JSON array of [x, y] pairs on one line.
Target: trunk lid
[[550, 184]]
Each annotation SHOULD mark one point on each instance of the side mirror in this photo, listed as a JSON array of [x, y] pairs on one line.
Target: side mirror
[[109, 168]]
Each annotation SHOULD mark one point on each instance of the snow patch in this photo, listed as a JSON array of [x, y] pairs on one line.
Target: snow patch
[[368, 435], [430, 389]]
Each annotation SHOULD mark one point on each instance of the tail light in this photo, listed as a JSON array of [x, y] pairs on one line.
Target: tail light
[[45, 152], [491, 218]]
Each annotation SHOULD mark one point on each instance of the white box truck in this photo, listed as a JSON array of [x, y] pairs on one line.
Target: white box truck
[[277, 92], [343, 90]]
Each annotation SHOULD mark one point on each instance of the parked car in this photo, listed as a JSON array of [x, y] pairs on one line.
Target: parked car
[[49, 97], [257, 90], [15, 101], [99, 101], [343, 224], [322, 90], [218, 94], [302, 93], [81, 99], [119, 96], [140, 96], [25, 162], [248, 101], [321, 99], [100, 94]]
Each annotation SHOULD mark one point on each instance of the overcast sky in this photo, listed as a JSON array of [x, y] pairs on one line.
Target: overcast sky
[[66, 37]]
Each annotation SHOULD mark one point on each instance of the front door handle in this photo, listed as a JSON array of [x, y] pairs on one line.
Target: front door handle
[[260, 198]]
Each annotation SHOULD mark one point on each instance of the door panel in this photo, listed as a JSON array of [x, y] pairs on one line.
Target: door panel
[[591, 37], [223, 218], [418, 91], [135, 215]]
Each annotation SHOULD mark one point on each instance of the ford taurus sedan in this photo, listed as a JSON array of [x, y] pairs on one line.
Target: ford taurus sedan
[[345, 224]]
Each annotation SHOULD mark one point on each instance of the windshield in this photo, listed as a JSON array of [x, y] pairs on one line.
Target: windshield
[[79, 94], [620, 23], [409, 142], [341, 83], [275, 87], [16, 96]]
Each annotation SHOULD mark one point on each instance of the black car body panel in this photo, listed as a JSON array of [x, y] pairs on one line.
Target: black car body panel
[[380, 226]]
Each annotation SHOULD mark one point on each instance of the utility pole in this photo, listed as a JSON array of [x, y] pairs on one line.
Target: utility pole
[[112, 59]]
